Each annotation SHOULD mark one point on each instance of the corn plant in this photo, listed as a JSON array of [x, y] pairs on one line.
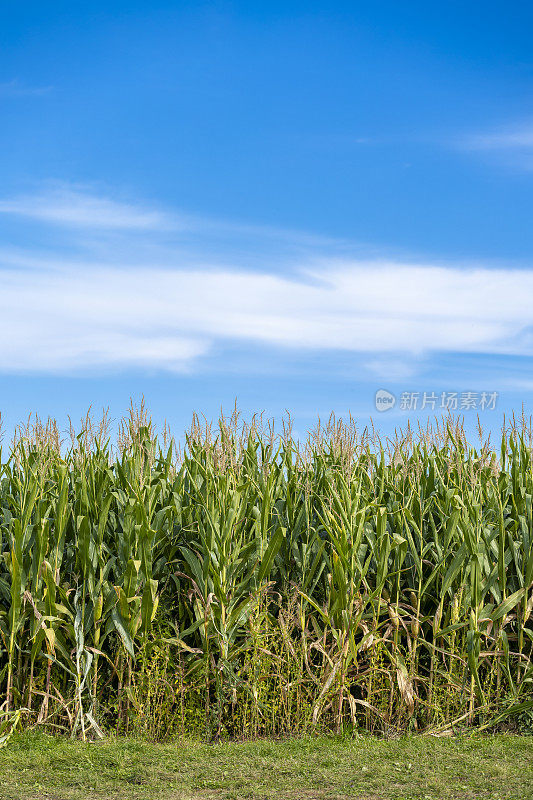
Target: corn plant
[[275, 585]]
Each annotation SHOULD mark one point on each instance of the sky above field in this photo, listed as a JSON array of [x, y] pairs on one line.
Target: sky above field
[[294, 205]]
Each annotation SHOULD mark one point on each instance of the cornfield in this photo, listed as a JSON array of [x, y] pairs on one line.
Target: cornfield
[[252, 584]]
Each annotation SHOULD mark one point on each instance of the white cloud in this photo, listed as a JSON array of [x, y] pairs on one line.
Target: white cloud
[[62, 320], [517, 383], [517, 137], [79, 207], [146, 302], [391, 369], [15, 88], [71, 206]]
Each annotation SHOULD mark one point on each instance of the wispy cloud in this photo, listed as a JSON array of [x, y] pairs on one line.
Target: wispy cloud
[[60, 312], [14, 88], [66, 205], [167, 318], [62, 204], [392, 369], [508, 138]]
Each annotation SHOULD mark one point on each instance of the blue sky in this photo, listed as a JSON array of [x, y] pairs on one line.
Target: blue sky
[[290, 204]]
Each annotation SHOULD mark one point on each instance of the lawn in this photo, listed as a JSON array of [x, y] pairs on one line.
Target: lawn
[[39, 767]]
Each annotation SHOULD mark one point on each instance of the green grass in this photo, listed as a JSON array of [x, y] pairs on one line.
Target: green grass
[[39, 767]]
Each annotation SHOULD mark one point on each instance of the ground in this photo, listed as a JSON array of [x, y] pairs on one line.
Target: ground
[[39, 767]]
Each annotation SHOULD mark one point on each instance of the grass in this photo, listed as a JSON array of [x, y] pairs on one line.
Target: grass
[[40, 767]]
